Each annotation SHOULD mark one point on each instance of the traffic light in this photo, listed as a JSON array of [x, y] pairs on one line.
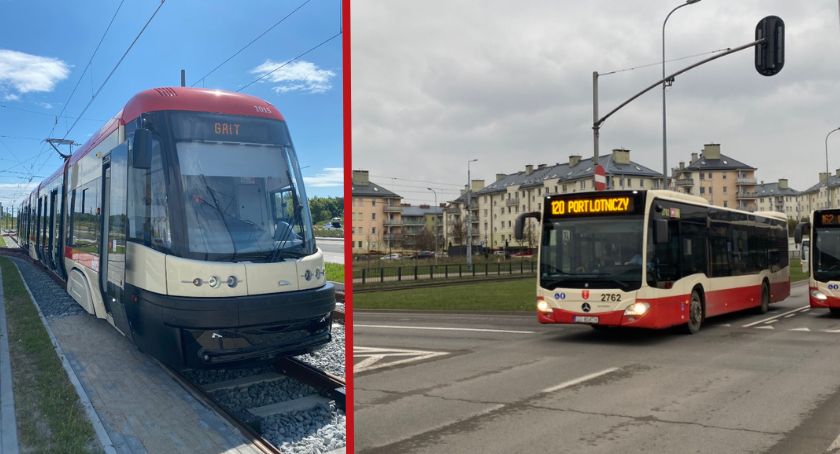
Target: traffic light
[[770, 54]]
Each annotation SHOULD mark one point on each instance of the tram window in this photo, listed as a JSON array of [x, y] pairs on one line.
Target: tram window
[[147, 203], [85, 220]]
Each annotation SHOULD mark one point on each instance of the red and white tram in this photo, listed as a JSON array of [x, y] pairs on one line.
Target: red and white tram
[[184, 223]]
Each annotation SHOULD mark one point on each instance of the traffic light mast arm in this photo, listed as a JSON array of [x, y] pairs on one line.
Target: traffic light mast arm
[[601, 120]]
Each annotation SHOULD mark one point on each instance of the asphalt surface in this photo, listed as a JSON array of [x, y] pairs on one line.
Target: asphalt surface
[[433, 383], [333, 249]]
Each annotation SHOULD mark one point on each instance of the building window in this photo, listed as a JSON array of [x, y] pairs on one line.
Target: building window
[[725, 203], [710, 189], [702, 190], [702, 176], [724, 189], [373, 216], [373, 202], [373, 230]]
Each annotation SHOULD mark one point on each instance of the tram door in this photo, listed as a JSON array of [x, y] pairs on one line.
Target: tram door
[[112, 247], [48, 253]]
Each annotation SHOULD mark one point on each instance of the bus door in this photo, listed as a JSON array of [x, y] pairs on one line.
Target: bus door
[[112, 247]]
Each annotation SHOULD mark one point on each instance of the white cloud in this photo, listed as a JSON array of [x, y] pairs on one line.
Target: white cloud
[[13, 193], [302, 76], [328, 178], [22, 73], [45, 105]]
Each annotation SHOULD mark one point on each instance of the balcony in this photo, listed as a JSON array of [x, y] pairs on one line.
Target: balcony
[[392, 222], [745, 181], [746, 195], [684, 182], [513, 201], [392, 208]]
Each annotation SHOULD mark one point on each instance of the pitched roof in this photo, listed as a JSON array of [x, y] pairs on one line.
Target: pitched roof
[[724, 163], [833, 182], [372, 190], [772, 189], [566, 172]]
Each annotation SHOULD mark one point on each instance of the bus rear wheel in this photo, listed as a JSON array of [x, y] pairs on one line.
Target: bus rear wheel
[[695, 313], [765, 299]]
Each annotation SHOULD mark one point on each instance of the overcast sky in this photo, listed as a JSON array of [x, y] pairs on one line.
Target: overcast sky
[[436, 83]]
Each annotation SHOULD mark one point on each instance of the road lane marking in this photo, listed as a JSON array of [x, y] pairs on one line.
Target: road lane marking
[[790, 315], [800, 329], [770, 322], [371, 358], [765, 327], [831, 330], [774, 317], [440, 328], [579, 380], [835, 445]]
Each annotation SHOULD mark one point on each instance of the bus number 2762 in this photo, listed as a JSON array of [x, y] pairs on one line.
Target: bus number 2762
[[613, 297]]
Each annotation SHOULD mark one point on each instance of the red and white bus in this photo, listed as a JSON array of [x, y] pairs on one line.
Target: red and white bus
[[184, 223], [823, 256], [654, 259]]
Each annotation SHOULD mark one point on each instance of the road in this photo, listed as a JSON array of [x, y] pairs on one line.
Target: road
[[431, 383], [333, 249]]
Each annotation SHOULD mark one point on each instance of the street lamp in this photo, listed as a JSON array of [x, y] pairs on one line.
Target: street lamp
[[827, 174], [665, 84], [435, 225], [469, 216]]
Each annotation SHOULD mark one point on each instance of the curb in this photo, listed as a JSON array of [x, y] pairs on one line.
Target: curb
[[101, 433], [8, 422]]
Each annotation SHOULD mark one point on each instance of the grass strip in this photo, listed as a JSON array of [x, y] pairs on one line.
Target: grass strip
[[49, 415], [335, 272], [796, 273], [510, 295]]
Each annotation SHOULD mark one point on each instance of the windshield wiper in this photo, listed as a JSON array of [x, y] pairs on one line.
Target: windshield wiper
[[221, 214]]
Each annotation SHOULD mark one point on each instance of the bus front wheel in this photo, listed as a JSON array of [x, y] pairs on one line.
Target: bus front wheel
[[835, 311], [695, 313]]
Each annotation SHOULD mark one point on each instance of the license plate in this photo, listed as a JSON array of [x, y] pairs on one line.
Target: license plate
[[585, 319]]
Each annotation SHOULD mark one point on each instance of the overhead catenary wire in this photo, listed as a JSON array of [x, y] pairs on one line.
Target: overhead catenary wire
[[336, 35], [250, 42], [660, 62], [114, 69], [418, 181], [37, 112], [90, 61]]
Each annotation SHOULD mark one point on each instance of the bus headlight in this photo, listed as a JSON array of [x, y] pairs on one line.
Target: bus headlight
[[636, 309], [818, 295], [542, 306]]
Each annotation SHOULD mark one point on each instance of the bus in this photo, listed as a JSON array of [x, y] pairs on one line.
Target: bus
[[654, 259], [823, 258], [184, 223]]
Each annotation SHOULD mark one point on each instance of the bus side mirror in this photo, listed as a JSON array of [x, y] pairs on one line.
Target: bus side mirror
[[660, 231], [519, 227], [141, 149], [798, 231]]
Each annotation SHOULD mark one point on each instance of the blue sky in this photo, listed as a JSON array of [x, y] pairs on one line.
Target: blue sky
[[45, 46]]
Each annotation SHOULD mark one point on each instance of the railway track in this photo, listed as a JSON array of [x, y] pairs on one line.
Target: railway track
[[268, 404]]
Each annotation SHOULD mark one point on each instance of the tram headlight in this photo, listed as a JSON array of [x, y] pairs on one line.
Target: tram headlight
[[818, 295], [542, 306], [214, 281], [637, 309]]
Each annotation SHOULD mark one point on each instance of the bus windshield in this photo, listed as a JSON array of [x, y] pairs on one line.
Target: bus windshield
[[593, 252], [243, 200], [826, 254]]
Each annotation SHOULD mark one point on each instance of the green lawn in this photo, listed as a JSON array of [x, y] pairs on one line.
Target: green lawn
[[509, 295], [49, 415], [796, 273], [335, 272]]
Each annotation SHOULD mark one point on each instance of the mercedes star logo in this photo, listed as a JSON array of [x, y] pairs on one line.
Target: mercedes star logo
[[586, 307]]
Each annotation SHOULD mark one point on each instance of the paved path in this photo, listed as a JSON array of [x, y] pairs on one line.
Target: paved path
[[141, 407], [503, 383], [8, 424], [333, 249]]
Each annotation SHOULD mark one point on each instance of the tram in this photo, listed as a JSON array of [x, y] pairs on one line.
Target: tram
[[184, 223]]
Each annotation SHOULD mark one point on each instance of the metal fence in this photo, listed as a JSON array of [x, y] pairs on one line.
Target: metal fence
[[442, 271]]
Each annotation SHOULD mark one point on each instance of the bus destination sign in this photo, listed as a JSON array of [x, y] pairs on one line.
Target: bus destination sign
[[592, 206]]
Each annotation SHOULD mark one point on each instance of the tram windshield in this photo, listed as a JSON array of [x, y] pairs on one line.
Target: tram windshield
[[243, 194], [594, 252]]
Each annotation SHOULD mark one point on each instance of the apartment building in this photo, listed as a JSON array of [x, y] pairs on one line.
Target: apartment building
[[500, 202], [377, 216], [455, 219], [778, 196], [718, 178], [422, 227], [826, 193]]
